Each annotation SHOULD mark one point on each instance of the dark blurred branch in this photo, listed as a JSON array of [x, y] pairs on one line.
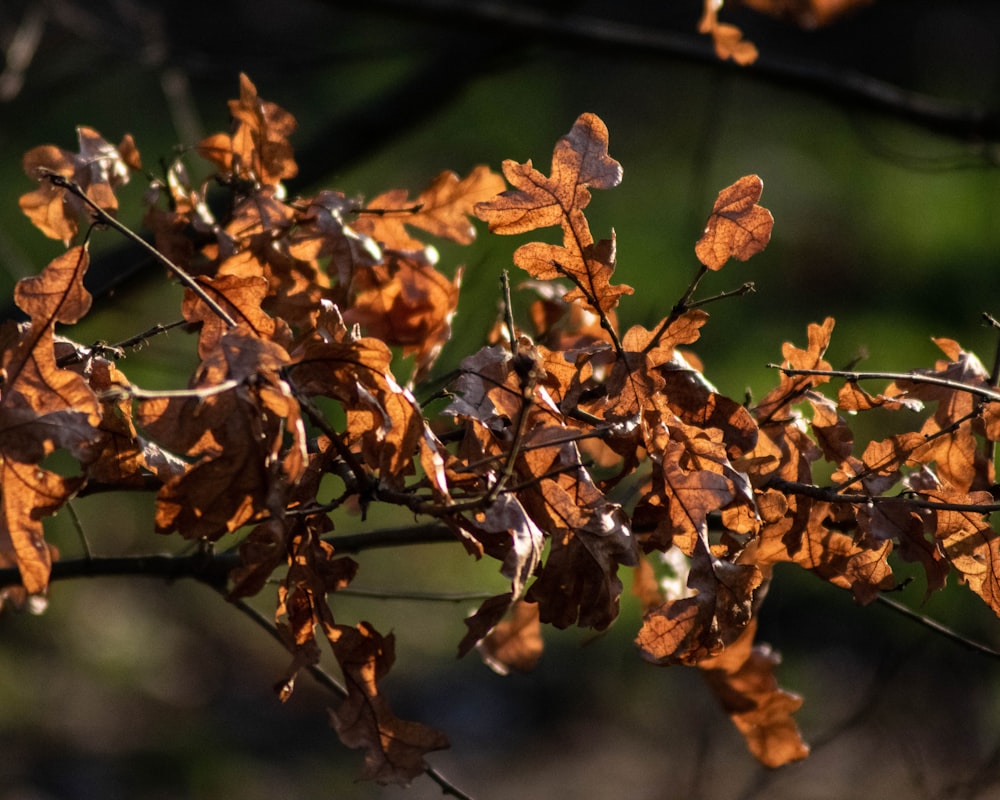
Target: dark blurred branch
[[214, 568], [845, 86]]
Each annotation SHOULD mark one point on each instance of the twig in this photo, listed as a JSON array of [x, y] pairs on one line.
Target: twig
[[971, 123], [829, 494], [106, 219], [78, 524], [937, 627], [853, 377]]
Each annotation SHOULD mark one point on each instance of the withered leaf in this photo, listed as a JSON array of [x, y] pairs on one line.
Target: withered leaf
[[742, 678], [442, 209], [793, 387], [30, 493], [969, 542], [738, 227], [514, 643], [57, 294], [394, 748], [258, 148], [580, 162], [688, 630], [98, 169]]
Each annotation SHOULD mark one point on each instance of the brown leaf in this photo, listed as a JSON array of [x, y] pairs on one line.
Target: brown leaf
[[30, 493], [793, 388], [394, 748], [580, 162], [442, 209], [808, 14], [98, 169], [969, 543], [742, 678], [514, 643], [413, 307], [804, 537], [737, 227], [258, 149], [57, 294], [688, 630]]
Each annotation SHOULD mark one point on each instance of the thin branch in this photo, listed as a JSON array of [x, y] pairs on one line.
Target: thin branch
[[421, 597], [844, 85], [829, 494], [854, 377], [106, 219], [937, 627]]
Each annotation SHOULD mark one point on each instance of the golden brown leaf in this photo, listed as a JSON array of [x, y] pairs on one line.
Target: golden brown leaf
[[394, 748], [806, 14], [969, 543], [258, 149], [28, 494], [442, 209], [580, 162], [514, 643], [742, 678], [98, 169], [738, 227]]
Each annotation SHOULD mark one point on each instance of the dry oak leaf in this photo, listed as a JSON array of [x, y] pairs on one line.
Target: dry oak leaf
[[258, 149], [394, 748], [969, 543], [236, 438], [442, 209], [742, 678], [515, 643], [412, 307], [808, 14], [42, 408], [580, 162], [792, 388], [688, 630], [98, 169], [728, 39], [738, 227]]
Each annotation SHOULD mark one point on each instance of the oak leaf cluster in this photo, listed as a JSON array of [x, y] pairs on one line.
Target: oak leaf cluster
[[569, 450]]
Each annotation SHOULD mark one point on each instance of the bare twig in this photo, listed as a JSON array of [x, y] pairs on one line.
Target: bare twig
[[854, 377], [106, 219], [937, 627]]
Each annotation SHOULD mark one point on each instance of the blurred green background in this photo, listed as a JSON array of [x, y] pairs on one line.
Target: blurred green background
[[131, 688]]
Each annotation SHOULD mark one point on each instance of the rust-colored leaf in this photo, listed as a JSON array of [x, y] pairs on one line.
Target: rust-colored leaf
[[442, 209], [258, 149], [513, 643], [580, 162], [98, 169], [738, 227], [394, 748], [742, 678], [969, 542]]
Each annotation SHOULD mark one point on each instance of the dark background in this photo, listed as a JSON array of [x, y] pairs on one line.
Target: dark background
[[886, 218]]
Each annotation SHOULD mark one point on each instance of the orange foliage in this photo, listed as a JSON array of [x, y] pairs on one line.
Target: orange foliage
[[304, 309]]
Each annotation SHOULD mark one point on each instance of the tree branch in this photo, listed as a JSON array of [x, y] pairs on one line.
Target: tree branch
[[213, 568], [967, 122]]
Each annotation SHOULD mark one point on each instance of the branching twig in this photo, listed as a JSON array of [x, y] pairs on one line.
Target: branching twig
[[106, 219]]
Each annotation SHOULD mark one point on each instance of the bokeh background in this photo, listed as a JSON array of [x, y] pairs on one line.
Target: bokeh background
[[885, 219]]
